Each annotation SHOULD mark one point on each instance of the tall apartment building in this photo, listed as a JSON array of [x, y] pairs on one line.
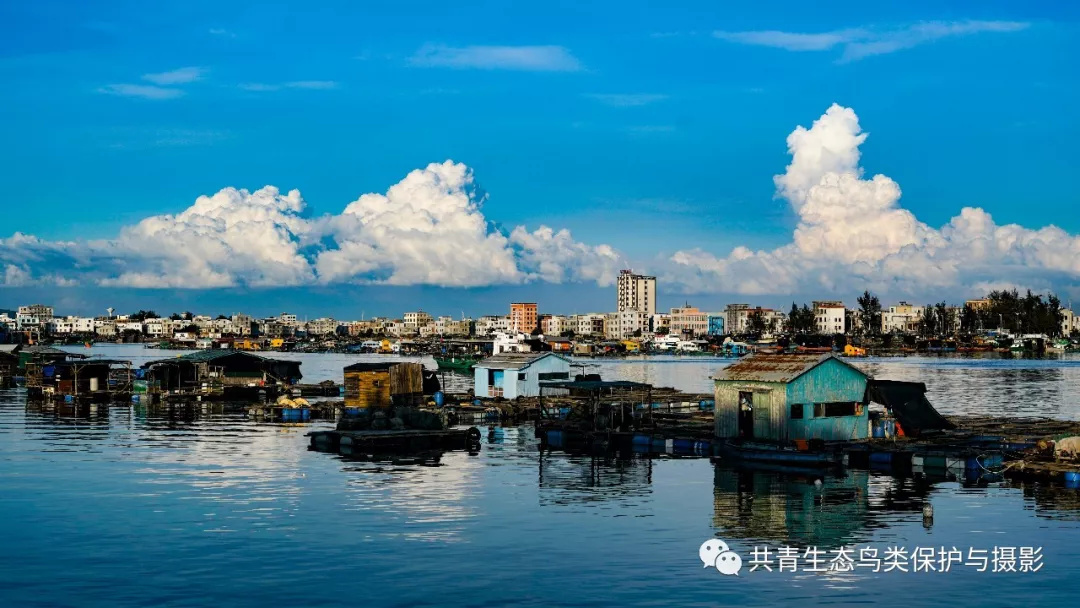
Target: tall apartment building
[[830, 317], [636, 292], [523, 317]]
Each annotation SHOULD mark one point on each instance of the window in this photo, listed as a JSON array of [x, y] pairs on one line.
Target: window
[[521, 375], [834, 409], [555, 376], [796, 411]]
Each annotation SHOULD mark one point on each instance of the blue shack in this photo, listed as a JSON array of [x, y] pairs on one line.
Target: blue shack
[[788, 397], [512, 375]]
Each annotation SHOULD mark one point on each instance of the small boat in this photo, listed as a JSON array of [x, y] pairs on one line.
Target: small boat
[[456, 363], [752, 451]]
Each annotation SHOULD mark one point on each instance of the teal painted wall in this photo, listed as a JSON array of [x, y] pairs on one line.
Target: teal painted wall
[[833, 380]]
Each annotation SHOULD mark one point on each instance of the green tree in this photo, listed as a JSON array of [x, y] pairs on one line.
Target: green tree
[[143, 315], [756, 322], [869, 314]]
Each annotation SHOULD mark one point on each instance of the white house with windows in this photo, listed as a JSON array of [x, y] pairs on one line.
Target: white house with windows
[[518, 374]]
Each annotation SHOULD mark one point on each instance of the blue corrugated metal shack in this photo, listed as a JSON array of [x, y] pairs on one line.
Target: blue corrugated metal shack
[[788, 397]]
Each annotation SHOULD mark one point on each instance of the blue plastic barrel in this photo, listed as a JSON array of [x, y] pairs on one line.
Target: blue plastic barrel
[[477, 402], [879, 428], [439, 398]]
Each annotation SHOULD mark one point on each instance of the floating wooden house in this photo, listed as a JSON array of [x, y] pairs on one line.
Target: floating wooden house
[[513, 375], [791, 397], [88, 379], [382, 384], [220, 372]]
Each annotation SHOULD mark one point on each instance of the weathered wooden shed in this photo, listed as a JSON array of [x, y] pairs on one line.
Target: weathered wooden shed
[[382, 384], [788, 397]]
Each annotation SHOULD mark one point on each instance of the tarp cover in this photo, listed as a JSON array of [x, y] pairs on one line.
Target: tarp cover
[[908, 403]]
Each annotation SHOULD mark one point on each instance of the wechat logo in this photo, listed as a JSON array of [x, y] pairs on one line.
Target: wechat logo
[[714, 553]]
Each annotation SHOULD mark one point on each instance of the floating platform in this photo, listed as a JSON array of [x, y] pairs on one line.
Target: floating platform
[[360, 443]]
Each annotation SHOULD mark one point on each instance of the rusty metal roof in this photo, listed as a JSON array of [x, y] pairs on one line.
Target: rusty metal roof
[[774, 368]]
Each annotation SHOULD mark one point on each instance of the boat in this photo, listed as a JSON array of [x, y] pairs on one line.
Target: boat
[[753, 451], [456, 363]]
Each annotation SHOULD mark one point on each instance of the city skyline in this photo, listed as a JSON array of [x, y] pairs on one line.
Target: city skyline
[[183, 196]]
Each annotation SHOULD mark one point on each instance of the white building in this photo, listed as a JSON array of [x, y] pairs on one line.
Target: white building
[[591, 324], [489, 325], [33, 316], [517, 375], [556, 325], [630, 324], [510, 343], [660, 323], [737, 318], [1069, 322], [903, 318], [829, 317], [635, 292], [415, 320]]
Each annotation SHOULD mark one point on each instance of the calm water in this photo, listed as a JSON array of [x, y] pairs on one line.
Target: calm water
[[128, 507]]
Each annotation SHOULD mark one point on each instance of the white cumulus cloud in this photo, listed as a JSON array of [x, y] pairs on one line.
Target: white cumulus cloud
[[853, 231], [428, 229]]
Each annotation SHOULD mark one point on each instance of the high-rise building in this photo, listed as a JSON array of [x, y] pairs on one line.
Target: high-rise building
[[636, 292], [523, 317]]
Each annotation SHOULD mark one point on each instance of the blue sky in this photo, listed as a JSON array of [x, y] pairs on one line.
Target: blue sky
[[647, 129]]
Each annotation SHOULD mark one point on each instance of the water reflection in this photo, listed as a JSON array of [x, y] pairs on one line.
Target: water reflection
[[566, 479]]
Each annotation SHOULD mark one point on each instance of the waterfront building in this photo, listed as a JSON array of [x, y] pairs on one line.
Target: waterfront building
[[489, 325], [322, 327], [517, 375], [556, 325], [788, 397], [523, 317], [660, 323], [34, 316], [591, 324], [635, 292], [903, 318], [689, 321], [737, 318], [630, 324], [829, 317], [415, 320], [1068, 322], [716, 325], [982, 304]]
